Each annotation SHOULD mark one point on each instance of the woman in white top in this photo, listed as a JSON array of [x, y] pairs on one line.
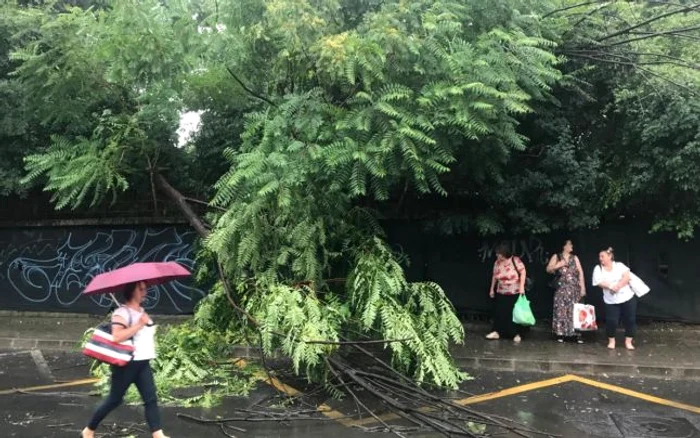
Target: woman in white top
[[132, 322], [620, 300]]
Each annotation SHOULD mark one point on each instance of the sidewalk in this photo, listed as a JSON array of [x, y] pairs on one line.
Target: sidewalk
[[663, 350], [51, 331]]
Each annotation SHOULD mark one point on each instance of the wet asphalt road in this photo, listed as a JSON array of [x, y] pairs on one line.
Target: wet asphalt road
[[570, 409]]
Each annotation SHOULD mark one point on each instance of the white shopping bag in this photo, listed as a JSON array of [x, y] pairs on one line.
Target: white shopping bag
[[638, 286], [584, 317]]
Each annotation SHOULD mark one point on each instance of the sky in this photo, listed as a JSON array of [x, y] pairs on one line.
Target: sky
[[190, 122]]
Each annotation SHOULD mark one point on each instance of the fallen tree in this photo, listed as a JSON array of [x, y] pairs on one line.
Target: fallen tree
[[317, 128]]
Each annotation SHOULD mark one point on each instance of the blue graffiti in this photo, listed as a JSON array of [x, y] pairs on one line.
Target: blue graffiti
[[60, 269]]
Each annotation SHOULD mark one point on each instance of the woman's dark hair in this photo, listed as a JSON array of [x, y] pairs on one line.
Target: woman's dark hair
[[129, 290], [610, 251], [505, 249], [564, 242]]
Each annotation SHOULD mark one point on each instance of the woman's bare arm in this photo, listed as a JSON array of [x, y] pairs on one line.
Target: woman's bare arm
[[523, 277], [581, 277], [624, 281], [120, 330], [552, 265]]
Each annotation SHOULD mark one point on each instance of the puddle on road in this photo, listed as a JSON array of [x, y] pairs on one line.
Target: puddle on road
[[655, 427]]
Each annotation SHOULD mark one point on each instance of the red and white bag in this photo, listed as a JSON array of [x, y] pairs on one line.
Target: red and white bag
[[584, 317], [101, 346]]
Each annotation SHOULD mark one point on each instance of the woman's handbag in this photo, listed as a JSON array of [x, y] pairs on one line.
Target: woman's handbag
[[101, 346], [638, 286], [522, 314], [529, 282], [584, 317]]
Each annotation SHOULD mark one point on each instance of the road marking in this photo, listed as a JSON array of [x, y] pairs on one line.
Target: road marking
[[41, 365], [515, 390], [479, 398], [345, 420], [635, 394], [286, 389], [53, 386], [539, 385]]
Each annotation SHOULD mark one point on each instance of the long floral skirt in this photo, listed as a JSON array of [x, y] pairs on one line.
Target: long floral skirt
[[563, 319]]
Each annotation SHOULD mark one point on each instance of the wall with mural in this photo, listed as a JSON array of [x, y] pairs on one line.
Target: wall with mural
[[46, 268]]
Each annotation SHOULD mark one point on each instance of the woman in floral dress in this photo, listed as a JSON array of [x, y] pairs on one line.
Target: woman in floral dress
[[570, 288]]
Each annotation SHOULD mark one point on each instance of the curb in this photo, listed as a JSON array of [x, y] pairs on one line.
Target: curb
[[591, 369], [470, 362], [81, 316], [546, 328], [30, 314], [42, 344]]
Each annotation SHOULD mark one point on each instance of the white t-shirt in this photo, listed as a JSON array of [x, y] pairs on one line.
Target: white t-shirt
[[144, 339], [611, 277]]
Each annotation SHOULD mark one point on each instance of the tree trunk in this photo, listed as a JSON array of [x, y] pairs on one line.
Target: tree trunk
[[182, 204]]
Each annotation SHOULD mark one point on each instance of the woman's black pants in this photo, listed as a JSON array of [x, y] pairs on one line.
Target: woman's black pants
[[137, 372], [503, 316], [628, 312]]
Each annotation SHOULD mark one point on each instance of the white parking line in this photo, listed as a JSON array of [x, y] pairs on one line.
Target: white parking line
[[41, 365]]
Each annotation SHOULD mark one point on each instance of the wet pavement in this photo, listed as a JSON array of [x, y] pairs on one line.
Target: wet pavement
[[683, 391], [569, 409], [575, 410], [662, 351]]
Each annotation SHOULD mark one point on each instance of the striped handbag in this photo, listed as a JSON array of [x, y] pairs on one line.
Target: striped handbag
[[101, 346]]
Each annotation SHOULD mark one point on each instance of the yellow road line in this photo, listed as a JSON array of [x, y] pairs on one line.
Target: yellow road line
[[348, 421], [544, 384], [515, 390], [635, 394], [479, 398], [52, 386], [286, 389]]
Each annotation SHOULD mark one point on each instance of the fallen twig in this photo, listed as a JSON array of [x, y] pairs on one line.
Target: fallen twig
[[279, 419], [379, 341], [60, 425]]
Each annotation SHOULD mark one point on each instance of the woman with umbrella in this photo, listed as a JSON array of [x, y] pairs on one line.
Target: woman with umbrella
[[130, 321]]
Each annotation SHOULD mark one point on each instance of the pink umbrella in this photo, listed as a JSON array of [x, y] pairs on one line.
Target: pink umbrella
[[151, 273]]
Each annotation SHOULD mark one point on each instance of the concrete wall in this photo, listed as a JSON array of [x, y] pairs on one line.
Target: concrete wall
[[45, 267]]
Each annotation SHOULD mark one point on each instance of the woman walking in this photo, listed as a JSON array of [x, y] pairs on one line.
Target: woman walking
[[620, 301], [507, 282], [132, 322], [570, 288]]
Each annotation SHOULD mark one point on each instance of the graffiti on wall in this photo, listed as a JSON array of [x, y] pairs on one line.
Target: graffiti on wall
[[530, 250], [50, 268]]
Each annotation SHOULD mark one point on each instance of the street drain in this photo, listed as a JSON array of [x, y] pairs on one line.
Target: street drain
[[655, 427]]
